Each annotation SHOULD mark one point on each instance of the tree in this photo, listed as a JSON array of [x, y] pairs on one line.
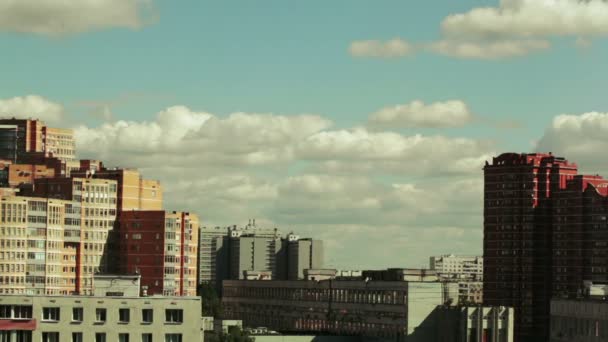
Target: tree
[[211, 304]]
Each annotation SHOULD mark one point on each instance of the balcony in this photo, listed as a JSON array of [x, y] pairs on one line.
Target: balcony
[[17, 324]]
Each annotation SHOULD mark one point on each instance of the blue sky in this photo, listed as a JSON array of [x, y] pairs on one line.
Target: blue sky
[[292, 58]]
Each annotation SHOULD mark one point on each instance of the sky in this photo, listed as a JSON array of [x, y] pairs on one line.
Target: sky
[[362, 123]]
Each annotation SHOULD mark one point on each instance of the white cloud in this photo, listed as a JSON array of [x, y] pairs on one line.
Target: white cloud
[[488, 49], [417, 114], [183, 137], [579, 138], [57, 17], [359, 150], [295, 172], [31, 106], [531, 18], [514, 28], [381, 49]]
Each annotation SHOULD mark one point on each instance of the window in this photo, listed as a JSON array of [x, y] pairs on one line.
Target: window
[[100, 337], [173, 337], [147, 315], [100, 315], [77, 337], [22, 312], [50, 337], [50, 314], [123, 337], [77, 314], [15, 312], [123, 315], [146, 337], [21, 336], [174, 316]]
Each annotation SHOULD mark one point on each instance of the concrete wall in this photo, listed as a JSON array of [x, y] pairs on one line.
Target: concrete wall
[[191, 328]]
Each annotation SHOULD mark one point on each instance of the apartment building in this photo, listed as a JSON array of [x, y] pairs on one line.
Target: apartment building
[[162, 247], [394, 310], [518, 230], [28, 318], [134, 191], [59, 143], [59, 240], [21, 137]]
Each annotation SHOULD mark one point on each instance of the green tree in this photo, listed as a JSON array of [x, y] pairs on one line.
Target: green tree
[[211, 304]]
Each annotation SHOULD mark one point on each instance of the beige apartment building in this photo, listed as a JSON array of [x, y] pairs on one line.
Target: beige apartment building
[[55, 243], [100, 319], [59, 142]]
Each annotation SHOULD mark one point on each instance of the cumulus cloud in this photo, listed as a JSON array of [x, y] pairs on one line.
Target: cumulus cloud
[[417, 114], [32, 106], [180, 135], [300, 174], [517, 28], [52, 17], [381, 49], [580, 138], [359, 150], [531, 18], [488, 49]]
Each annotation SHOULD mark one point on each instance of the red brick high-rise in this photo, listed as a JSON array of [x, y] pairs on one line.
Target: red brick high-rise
[[162, 247], [518, 219]]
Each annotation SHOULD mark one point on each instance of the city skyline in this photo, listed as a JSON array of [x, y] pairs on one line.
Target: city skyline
[[364, 125]]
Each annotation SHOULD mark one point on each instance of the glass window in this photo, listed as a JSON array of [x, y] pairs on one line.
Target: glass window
[[173, 337], [50, 337], [22, 336], [50, 314], [77, 337], [123, 315], [124, 337], [77, 314], [146, 337], [100, 315], [174, 316], [100, 337], [147, 315]]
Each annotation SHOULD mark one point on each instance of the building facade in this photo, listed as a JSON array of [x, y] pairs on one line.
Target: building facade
[[518, 190], [99, 319], [54, 245], [303, 254], [394, 310], [457, 266], [20, 137], [579, 320], [475, 323], [161, 247], [229, 253]]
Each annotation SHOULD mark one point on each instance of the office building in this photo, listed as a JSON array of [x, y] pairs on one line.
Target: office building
[[229, 253], [394, 310], [303, 254], [518, 191], [457, 266], [213, 257], [162, 247], [27, 318], [581, 319], [250, 251], [475, 323]]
